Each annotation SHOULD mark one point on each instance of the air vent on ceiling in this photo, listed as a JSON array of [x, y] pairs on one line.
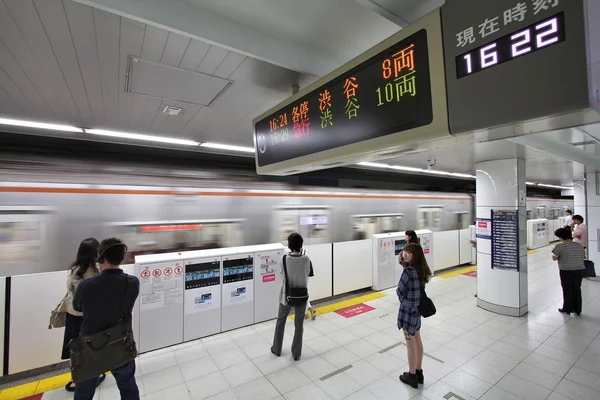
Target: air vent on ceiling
[[171, 110], [584, 143], [167, 82]]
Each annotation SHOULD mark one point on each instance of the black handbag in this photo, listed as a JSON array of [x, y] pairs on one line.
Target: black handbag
[[295, 296], [426, 306], [97, 353]]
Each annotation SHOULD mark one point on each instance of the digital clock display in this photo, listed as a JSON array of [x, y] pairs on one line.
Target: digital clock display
[[538, 36], [388, 93]]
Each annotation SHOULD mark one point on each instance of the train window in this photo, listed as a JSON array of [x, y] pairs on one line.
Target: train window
[[312, 222], [24, 240], [541, 212], [555, 213], [529, 214], [430, 217], [367, 225], [155, 237], [462, 220]]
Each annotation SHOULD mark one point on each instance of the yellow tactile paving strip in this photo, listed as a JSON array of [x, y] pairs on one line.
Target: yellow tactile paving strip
[[346, 303]]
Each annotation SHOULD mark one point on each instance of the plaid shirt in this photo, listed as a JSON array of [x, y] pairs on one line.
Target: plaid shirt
[[409, 294]]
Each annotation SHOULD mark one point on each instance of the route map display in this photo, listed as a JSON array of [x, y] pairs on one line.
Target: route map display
[[389, 93]]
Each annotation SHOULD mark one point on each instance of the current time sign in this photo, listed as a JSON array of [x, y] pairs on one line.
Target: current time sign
[[388, 93], [538, 36]]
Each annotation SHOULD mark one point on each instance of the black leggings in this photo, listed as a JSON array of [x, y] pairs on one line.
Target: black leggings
[[571, 286]]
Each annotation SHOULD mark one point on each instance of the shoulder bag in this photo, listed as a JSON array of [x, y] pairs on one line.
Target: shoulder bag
[[58, 317], [295, 296], [426, 307], [94, 354]]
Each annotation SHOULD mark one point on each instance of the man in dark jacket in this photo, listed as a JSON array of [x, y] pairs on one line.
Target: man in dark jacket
[[101, 299]]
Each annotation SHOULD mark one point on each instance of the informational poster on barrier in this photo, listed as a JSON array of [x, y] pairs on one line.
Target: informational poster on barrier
[[268, 265], [238, 281], [386, 252], [202, 286], [483, 228], [505, 239], [425, 241], [161, 285]]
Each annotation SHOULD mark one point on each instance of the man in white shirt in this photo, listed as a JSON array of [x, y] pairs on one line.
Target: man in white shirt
[[568, 218]]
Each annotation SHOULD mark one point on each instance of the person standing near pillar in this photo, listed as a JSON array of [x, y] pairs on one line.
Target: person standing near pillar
[[579, 231], [570, 256]]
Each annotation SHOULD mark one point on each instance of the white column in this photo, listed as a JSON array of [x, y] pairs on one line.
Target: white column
[[593, 216], [579, 203], [501, 186]]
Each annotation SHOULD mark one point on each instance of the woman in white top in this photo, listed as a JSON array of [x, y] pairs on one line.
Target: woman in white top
[[83, 267]]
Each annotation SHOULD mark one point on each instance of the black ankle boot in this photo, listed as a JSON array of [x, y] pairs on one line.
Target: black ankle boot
[[419, 374], [410, 379]]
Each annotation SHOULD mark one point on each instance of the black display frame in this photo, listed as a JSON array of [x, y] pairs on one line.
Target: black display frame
[[238, 262], [417, 114]]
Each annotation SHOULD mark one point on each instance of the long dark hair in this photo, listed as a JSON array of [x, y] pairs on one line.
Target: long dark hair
[[86, 257], [413, 236], [418, 261]]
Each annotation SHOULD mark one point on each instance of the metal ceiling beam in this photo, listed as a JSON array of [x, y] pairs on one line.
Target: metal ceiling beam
[[560, 149], [371, 5], [198, 23]]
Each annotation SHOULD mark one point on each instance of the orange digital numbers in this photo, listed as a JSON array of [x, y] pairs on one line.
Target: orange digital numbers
[[400, 61], [386, 68]]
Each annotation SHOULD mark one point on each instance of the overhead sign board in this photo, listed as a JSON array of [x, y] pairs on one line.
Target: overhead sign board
[[382, 100], [512, 61]]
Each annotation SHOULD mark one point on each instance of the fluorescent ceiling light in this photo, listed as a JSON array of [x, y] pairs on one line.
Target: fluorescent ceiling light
[[412, 169], [227, 147], [138, 136], [39, 125]]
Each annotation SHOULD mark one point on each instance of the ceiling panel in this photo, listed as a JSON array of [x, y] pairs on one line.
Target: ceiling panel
[[61, 61], [214, 57], [194, 55], [17, 49], [131, 40], [108, 41], [26, 19], [175, 48], [410, 10], [55, 24], [80, 21]]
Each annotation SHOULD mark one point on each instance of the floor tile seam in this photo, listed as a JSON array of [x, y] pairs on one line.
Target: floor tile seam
[[573, 366]]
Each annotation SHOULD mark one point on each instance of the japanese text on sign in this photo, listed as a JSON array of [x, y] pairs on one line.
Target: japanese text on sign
[[491, 25]]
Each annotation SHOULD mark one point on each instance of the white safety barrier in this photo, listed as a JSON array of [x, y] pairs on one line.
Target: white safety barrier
[[339, 268]]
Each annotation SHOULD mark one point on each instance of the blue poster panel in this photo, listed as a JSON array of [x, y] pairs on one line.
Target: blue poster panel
[[505, 239]]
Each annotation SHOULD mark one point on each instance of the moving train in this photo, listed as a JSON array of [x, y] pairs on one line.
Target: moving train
[[47, 208]]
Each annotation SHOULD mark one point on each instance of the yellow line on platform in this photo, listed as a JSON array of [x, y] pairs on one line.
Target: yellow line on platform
[[457, 272], [346, 303]]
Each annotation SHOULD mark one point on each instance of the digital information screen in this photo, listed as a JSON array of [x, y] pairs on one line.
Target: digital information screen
[[538, 36], [389, 93], [238, 270], [399, 246], [202, 275]]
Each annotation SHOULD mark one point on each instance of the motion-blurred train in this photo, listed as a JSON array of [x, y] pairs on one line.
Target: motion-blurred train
[[46, 209]]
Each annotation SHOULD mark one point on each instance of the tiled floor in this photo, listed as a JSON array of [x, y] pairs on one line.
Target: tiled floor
[[470, 353]]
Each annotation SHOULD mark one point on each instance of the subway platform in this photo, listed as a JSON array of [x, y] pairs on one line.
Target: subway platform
[[354, 351]]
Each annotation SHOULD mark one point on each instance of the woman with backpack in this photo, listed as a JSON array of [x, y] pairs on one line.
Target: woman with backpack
[[412, 283], [297, 267]]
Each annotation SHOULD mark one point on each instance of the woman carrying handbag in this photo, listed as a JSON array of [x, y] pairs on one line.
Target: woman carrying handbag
[[83, 267]]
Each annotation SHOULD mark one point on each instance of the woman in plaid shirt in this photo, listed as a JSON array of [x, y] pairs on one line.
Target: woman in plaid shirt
[[414, 277]]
